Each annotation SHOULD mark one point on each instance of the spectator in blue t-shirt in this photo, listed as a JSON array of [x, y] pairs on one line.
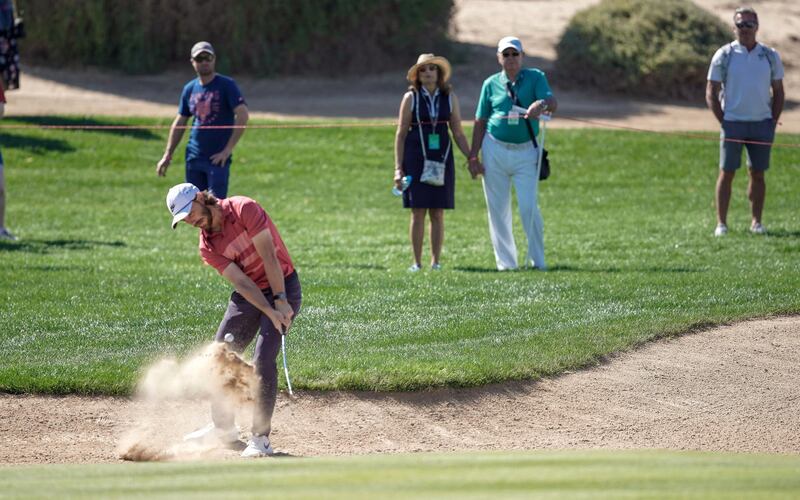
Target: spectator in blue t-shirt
[[213, 100]]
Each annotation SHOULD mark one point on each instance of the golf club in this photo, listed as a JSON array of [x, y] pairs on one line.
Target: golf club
[[285, 367]]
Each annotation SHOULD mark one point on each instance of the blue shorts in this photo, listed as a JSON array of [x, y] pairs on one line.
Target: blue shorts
[[205, 175], [730, 153]]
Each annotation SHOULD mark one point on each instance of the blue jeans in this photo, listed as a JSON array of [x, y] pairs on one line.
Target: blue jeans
[[205, 175]]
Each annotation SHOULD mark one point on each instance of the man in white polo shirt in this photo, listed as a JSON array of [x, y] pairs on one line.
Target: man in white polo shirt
[[745, 93]]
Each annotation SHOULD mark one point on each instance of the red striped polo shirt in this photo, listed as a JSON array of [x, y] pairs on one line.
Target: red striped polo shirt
[[242, 218]]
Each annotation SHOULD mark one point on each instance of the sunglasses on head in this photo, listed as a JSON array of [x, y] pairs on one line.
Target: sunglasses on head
[[747, 24], [203, 58], [428, 67], [511, 54]]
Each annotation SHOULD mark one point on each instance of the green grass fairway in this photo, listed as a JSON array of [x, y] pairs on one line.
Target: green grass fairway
[[568, 475], [99, 286]]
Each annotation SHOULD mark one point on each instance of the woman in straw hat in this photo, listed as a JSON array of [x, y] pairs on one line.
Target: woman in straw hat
[[426, 110]]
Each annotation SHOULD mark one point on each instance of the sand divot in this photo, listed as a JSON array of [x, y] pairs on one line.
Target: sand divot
[[213, 373]]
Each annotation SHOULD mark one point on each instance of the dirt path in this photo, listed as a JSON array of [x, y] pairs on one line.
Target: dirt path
[[731, 388]]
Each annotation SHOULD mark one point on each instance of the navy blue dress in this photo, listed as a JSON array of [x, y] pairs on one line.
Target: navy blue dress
[[420, 195]]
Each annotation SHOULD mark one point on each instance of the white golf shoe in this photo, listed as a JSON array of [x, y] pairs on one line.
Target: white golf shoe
[[258, 446], [721, 230], [757, 228], [5, 234], [211, 434]]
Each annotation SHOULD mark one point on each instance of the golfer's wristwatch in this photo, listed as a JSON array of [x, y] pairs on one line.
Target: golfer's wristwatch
[[279, 296]]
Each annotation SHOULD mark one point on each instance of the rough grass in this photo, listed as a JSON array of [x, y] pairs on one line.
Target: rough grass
[[99, 286]]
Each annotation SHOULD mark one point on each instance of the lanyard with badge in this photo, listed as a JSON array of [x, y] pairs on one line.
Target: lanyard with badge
[[432, 102], [433, 138], [516, 110]]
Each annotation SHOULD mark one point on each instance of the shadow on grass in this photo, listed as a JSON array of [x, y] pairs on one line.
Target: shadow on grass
[[570, 268], [46, 246], [782, 233], [653, 269], [34, 144], [473, 269], [54, 268], [136, 133], [367, 267]]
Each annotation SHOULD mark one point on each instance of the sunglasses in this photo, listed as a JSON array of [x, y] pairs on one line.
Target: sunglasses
[[747, 24], [204, 58], [510, 54], [429, 67]]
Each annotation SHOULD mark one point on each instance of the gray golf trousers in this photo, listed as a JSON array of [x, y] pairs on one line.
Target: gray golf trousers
[[244, 321]]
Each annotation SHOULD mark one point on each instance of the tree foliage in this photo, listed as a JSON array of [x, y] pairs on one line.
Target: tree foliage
[[255, 36]]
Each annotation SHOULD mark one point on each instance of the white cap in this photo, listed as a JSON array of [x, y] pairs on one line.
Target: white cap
[[202, 47], [179, 201], [509, 42]]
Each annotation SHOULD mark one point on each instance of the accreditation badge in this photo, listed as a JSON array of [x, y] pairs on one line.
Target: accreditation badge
[[433, 141], [513, 118]]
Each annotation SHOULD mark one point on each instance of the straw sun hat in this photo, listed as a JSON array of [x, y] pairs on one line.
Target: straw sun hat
[[423, 59]]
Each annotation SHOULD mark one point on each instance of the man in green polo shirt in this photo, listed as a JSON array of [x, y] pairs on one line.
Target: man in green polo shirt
[[508, 100]]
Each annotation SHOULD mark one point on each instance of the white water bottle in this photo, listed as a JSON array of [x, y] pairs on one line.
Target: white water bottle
[[404, 183]]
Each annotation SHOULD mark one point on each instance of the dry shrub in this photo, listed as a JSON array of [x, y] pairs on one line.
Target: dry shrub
[[640, 47]]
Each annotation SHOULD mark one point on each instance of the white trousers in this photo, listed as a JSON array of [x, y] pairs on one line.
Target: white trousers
[[506, 164]]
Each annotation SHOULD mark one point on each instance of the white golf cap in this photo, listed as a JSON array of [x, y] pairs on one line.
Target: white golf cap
[[509, 42], [202, 47], [179, 201]]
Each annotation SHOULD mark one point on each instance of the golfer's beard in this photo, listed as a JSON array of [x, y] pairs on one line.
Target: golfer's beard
[[205, 71], [205, 220]]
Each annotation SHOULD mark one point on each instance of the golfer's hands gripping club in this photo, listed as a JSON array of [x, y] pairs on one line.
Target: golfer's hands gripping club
[[287, 312], [279, 321]]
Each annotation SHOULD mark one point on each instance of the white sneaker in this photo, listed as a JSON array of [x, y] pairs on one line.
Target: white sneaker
[[211, 433], [436, 267], [414, 268], [258, 446], [721, 230], [6, 235], [757, 228]]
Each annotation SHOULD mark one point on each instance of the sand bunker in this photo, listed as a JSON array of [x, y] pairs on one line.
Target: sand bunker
[[214, 373]]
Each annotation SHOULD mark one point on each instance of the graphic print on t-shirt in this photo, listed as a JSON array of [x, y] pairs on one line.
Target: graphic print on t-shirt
[[205, 105]]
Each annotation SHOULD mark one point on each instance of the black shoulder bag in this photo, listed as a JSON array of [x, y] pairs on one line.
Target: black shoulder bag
[[544, 172]]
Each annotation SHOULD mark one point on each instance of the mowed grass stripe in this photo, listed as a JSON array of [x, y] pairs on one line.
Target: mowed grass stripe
[[544, 474], [99, 286]]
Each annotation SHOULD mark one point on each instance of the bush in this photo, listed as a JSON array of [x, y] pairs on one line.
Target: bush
[[651, 49], [251, 36]]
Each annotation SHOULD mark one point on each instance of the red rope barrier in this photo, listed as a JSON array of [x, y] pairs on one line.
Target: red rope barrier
[[676, 134], [364, 124]]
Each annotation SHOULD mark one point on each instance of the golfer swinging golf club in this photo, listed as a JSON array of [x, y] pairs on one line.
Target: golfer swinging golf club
[[240, 241]]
